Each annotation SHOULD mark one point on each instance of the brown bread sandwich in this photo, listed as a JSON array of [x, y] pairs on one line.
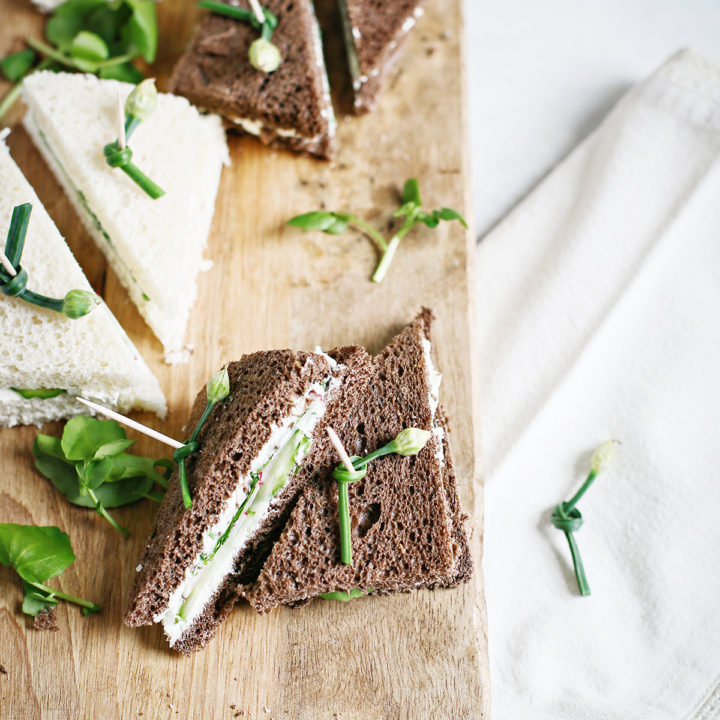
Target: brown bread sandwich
[[374, 32], [286, 105], [407, 523], [257, 450]]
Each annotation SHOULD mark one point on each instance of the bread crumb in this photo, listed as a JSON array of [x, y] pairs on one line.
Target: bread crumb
[[3, 671], [46, 620]]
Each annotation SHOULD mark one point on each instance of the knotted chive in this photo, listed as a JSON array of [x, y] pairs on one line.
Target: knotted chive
[[141, 102], [408, 442], [218, 388], [262, 53], [13, 278], [567, 517]]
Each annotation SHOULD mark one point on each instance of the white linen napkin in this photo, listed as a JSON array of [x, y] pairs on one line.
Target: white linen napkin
[[599, 307]]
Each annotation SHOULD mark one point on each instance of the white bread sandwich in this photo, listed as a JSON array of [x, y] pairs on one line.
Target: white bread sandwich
[[47, 357], [155, 246]]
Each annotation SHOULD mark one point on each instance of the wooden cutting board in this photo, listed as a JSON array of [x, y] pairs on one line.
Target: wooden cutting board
[[422, 655]]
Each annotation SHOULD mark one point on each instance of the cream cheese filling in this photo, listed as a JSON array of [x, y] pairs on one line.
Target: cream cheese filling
[[434, 378], [246, 508]]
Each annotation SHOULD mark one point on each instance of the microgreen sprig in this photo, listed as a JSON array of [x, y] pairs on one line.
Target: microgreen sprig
[[13, 278], [218, 388], [262, 54], [567, 517], [38, 554], [140, 104], [92, 36], [346, 596], [90, 467], [408, 442], [335, 223]]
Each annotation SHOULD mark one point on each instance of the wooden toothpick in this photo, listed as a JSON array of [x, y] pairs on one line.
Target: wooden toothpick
[[257, 11], [7, 264], [344, 457], [122, 142], [132, 423]]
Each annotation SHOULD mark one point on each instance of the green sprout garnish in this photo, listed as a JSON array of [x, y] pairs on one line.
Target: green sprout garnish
[[218, 388], [344, 596], [13, 279], [138, 107], [335, 223], [409, 442], [567, 517], [262, 54]]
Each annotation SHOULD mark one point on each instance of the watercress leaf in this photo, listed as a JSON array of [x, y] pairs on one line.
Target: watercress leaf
[[49, 445], [114, 447], [316, 220], [126, 72], [16, 65], [343, 596], [61, 30], [132, 466], [35, 602], [408, 208], [430, 220], [411, 192], [106, 22], [140, 32], [449, 214], [87, 46], [83, 436], [36, 553], [338, 227], [96, 472]]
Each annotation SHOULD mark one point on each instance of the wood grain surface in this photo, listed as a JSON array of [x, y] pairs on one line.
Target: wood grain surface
[[422, 655]]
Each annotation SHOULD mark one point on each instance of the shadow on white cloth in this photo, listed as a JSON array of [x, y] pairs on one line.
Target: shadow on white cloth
[[599, 307]]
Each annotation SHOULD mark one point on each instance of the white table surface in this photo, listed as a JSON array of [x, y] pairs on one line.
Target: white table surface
[[543, 73]]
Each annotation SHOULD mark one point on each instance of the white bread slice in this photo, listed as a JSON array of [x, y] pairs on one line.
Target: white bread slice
[[154, 246], [39, 348]]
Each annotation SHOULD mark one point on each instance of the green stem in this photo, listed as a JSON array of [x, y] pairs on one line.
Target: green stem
[[575, 499], [230, 11], [142, 180], [345, 530], [42, 300], [182, 470], [105, 514], [384, 450], [131, 123], [64, 596], [369, 230], [56, 56], [389, 253], [15, 242], [578, 565], [203, 418]]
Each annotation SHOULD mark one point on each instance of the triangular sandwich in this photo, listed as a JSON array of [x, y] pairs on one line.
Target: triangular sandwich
[[258, 449], [374, 33], [407, 523], [46, 357], [289, 107], [154, 246]]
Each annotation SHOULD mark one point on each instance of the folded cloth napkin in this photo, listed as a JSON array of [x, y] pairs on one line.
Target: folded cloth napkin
[[599, 307]]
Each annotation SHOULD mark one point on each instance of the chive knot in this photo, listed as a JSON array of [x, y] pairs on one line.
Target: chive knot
[[341, 475], [15, 285], [116, 157], [570, 521], [187, 449]]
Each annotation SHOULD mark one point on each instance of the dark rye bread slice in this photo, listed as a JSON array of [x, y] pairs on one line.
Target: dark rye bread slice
[[375, 31], [406, 531], [355, 376], [215, 74], [263, 389]]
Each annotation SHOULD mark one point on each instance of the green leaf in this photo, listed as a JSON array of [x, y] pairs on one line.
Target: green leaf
[[126, 72], [42, 393], [36, 553], [16, 65], [411, 192], [407, 209], [112, 448], [343, 596], [430, 220], [96, 472], [449, 214], [83, 436], [140, 33], [35, 602], [329, 222], [87, 46], [106, 22]]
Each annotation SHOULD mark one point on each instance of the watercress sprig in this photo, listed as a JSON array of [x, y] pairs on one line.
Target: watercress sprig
[[90, 467], [262, 54], [408, 442], [13, 278], [218, 388], [140, 104], [93, 36], [567, 517], [343, 596], [38, 554], [335, 223]]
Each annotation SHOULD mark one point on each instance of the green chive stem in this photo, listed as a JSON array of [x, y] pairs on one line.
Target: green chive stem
[[105, 514], [570, 504], [142, 180], [578, 566], [91, 606], [190, 447], [230, 11], [370, 231], [345, 528]]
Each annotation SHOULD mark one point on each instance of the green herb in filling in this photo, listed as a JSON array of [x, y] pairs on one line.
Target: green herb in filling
[[41, 393]]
